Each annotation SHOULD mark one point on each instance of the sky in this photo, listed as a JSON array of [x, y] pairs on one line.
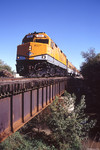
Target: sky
[[74, 25]]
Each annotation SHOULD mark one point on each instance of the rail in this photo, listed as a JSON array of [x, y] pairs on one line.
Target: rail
[[21, 100]]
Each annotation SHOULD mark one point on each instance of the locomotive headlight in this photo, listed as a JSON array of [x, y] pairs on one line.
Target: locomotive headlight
[[17, 57], [39, 35], [30, 48], [44, 57]]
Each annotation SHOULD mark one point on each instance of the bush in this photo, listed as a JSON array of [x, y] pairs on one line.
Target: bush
[[69, 128], [4, 66], [17, 141]]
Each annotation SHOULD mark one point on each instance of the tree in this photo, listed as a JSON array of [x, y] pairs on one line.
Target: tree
[[69, 128], [90, 69], [90, 54], [5, 66]]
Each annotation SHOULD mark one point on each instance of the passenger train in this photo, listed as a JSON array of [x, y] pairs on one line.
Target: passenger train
[[39, 56]]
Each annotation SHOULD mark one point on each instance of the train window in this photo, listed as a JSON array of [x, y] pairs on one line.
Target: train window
[[26, 40], [46, 41], [56, 45], [52, 44], [29, 36]]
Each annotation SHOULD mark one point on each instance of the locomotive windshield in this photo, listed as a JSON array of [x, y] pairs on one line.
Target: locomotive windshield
[[46, 41], [28, 38]]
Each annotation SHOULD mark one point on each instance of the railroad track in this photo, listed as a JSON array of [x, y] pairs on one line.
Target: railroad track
[[4, 79], [20, 80]]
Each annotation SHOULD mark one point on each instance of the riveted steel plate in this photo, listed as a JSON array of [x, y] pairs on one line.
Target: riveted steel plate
[[34, 102], [17, 110], [61, 87], [53, 91], [56, 89], [26, 106], [40, 99], [4, 117], [48, 94], [44, 96]]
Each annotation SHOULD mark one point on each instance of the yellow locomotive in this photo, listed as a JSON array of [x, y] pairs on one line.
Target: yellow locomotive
[[39, 56]]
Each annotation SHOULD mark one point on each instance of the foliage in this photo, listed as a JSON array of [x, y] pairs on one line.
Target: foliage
[[18, 141], [4, 66], [69, 128], [90, 69], [90, 54]]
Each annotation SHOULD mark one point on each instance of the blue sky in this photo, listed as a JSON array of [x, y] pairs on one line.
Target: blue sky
[[74, 25]]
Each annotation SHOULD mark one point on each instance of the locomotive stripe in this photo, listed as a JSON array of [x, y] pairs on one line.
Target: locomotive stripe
[[51, 60], [48, 58]]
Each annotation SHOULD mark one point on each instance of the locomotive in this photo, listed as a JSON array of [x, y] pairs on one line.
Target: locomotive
[[39, 56]]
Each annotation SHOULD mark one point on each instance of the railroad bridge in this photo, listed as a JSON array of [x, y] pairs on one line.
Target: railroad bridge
[[23, 99]]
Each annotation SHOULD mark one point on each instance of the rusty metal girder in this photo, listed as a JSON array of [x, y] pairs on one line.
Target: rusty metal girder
[[21, 101]]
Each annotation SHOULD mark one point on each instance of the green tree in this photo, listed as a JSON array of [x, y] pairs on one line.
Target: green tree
[[90, 69], [69, 128], [4, 66], [90, 54]]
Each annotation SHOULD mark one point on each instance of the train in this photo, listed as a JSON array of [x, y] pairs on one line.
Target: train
[[39, 56]]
